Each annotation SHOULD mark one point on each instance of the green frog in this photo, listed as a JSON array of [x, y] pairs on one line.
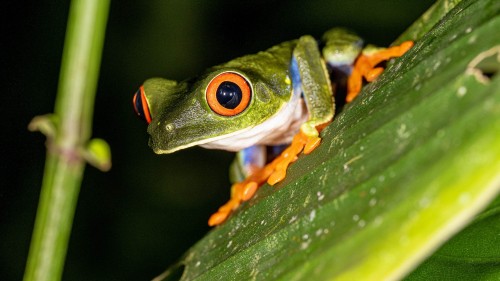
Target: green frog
[[269, 107]]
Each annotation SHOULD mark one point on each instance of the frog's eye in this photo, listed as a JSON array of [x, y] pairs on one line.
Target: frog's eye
[[228, 94], [141, 106]]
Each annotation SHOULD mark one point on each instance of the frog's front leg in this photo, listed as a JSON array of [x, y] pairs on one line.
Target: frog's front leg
[[310, 74]]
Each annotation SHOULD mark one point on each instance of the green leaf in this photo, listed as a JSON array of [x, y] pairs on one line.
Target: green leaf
[[401, 169], [473, 254], [428, 20]]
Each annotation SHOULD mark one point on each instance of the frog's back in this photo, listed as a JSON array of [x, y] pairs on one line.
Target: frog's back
[[265, 64]]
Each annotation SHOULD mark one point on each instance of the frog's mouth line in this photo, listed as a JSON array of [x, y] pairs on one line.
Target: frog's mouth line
[[201, 142]]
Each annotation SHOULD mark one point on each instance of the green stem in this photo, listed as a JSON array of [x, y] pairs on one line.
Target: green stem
[[64, 164]]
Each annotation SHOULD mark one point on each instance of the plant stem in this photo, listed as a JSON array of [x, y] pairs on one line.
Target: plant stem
[[73, 114]]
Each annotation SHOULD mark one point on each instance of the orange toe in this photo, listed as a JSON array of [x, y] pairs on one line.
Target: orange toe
[[373, 74], [276, 177], [217, 218], [404, 47], [249, 190], [311, 144]]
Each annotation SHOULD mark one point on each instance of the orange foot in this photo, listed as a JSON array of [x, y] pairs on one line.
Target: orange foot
[[273, 173], [364, 67]]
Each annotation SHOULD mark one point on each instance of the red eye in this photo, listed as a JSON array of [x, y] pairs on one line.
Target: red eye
[[140, 104], [228, 94]]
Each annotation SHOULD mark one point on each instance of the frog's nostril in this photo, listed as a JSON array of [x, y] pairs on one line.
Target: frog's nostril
[[141, 106], [169, 128]]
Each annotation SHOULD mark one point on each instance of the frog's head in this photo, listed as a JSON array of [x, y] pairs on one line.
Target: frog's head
[[224, 101]]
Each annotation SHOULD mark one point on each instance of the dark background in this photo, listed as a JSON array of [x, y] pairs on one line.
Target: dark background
[[135, 220]]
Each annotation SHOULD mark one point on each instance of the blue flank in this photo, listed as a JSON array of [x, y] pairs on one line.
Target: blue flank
[[296, 79]]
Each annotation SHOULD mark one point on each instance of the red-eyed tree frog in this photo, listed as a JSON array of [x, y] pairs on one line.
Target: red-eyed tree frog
[[271, 103]]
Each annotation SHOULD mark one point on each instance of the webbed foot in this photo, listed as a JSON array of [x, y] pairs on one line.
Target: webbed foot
[[365, 67]]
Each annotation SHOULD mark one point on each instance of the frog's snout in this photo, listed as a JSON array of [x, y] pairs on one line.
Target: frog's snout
[[141, 106], [162, 137]]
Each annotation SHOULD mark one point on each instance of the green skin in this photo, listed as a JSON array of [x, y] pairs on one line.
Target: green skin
[[181, 116]]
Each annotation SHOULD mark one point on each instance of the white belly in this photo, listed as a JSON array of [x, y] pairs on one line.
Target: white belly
[[278, 129]]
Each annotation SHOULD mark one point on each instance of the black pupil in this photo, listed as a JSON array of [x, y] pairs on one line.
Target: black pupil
[[229, 95]]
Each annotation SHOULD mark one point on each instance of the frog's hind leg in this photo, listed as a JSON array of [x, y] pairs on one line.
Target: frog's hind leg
[[247, 162], [366, 66], [247, 172]]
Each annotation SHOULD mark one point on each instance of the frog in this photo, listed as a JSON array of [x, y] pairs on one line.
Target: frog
[[269, 107]]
